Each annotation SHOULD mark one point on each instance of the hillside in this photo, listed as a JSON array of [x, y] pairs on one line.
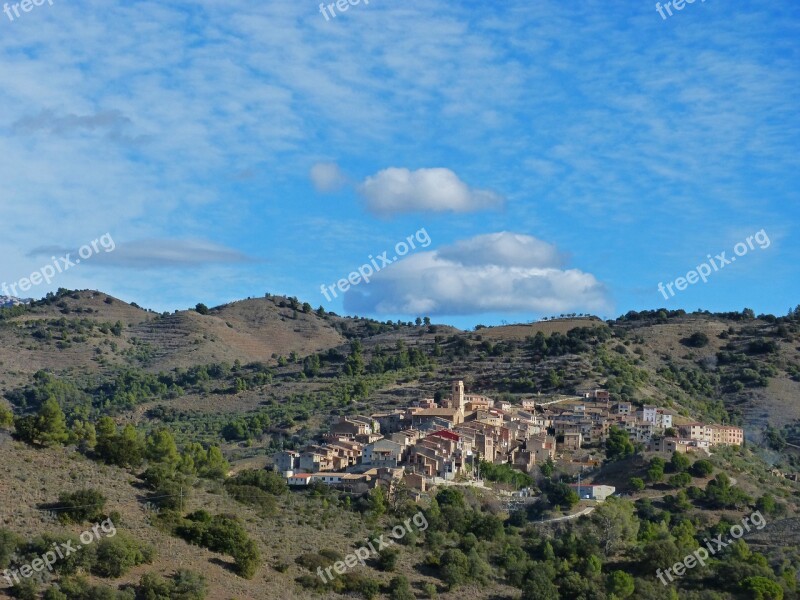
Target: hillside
[[259, 375]]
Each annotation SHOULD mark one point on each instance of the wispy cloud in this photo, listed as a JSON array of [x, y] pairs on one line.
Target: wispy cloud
[[155, 254]]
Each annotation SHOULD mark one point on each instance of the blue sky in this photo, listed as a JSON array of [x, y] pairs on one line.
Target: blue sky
[[561, 157]]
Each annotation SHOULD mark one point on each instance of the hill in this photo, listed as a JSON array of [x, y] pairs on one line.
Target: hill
[[259, 375]]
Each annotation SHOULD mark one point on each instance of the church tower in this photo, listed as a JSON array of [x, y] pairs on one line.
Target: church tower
[[457, 396]]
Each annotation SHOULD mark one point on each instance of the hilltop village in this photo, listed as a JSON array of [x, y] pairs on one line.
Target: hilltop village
[[432, 443]]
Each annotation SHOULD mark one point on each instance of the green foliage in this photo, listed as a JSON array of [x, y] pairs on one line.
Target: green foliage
[[721, 494], [6, 417], [680, 480], [454, 567], [124, 448], [387, 559], [222, 533], [762, 588], [620, 584], [636, 484], [118, 554], [655, 473], [8, 546], [560, 494], [48, 427], [701, 468], [80, 506], [679, 462], [400, 589], [696, 340], [505, 473], [618, 444]]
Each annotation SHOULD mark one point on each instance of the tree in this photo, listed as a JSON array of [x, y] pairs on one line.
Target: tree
[[616, 525], [721, 494], [680, 480], [766, 504], [548, 467], [620, 584], [701, 468], [160, 447], [51, 425], [539, 585], [201, 308], [618, 445], [679, 462], [656, 471], [84, 435], [636, 484], [377, 500], [560, 494], [762, 588], [454, 567]]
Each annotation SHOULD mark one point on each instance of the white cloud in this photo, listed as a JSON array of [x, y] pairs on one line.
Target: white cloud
[[395, 190], [499, 272], [156, 253], [327, 177]]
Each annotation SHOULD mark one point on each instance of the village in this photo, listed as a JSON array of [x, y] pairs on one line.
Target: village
[[430, 444]]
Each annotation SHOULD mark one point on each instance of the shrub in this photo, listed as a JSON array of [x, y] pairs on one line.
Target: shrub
[[680, 480], [636, 484], [701, 468], [8, 545], [117, 555], [696, 340], [222, 533], [387, 559], [401, 589], [81, 506], [185, 585]]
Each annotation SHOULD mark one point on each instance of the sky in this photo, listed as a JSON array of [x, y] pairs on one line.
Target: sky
[[474, 162]]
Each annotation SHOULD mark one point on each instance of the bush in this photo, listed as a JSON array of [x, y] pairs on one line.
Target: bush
[[400, 589], [185, 585], [701, 468], [696, 340], [117, 555], [679, 462], [8, 545], [680, 480], [636, 484], [81, 506], [222, 533], [387, 559]]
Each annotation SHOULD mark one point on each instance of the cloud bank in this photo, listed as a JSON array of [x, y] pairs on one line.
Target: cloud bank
[[497, 272]]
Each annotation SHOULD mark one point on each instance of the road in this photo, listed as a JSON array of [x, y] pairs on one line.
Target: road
[[585, 511]]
